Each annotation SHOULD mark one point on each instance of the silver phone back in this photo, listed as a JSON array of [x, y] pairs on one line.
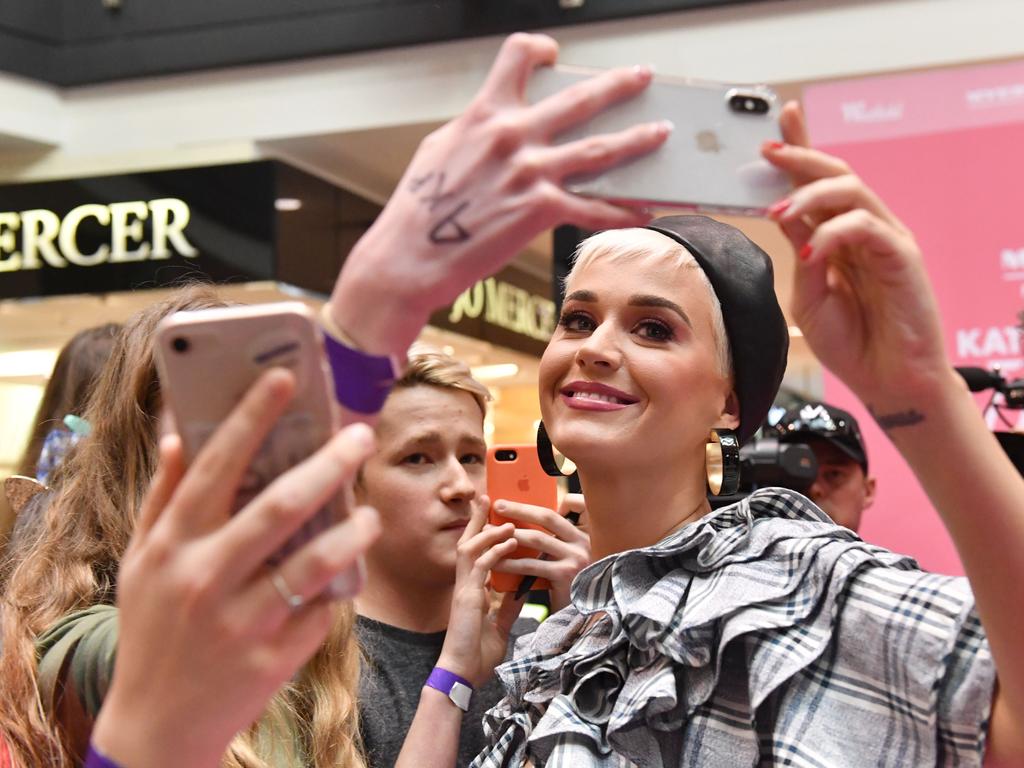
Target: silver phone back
[[711, 161]]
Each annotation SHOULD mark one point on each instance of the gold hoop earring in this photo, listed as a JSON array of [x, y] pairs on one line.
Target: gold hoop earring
[[553, 464], [722, 462]]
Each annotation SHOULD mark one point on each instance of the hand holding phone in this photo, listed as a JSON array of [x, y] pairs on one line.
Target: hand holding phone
[[208, 359], [712, 160], [204, 638], [514, 474]]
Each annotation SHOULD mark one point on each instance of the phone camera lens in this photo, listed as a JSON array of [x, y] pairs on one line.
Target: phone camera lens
[[505, 455], [180, 344], [748, 104]]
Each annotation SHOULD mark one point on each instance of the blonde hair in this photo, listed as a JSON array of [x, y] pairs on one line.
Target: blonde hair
[[431, 367], [620, 245], [72, 562]]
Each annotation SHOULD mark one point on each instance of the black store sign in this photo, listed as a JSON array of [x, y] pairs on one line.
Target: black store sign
[[222, 224], [512, 309], [158, 229]]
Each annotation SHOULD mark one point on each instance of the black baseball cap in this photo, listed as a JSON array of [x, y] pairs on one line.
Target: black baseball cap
[[743, 280], [821, 420]]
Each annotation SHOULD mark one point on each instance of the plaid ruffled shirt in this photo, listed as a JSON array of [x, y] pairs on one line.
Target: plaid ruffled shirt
[[760, 635]]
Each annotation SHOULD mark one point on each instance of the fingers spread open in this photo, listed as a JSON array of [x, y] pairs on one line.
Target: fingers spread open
[[207, 492], [270, 519], [519, 55], [581, 101]]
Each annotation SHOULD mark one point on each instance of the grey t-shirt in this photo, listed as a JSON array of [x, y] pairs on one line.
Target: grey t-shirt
[[398, 662]]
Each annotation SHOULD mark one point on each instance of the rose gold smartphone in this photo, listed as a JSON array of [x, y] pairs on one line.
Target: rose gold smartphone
[[710, 162], [207, 360]]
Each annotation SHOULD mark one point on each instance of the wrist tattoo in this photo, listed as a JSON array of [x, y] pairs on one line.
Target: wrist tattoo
[[890, 421], [447, 229]]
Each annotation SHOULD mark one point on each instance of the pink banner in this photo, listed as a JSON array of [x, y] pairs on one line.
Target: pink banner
[[895, 106], [944, 150]]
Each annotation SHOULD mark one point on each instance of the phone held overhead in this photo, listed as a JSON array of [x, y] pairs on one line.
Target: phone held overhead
[[712, 160]]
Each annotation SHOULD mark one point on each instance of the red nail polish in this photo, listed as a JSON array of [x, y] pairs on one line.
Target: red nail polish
[[805, 252], [780, 207], [774, 145]]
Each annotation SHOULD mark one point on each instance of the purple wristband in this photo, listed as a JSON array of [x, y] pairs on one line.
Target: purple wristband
[[362, 382], [94, 759], [456, 688]]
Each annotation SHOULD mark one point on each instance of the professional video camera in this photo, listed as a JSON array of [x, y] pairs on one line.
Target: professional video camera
[[1012, 391], [765, 461]]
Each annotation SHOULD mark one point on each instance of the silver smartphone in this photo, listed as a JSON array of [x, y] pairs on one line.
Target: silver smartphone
[[207, 360], [711, 161]]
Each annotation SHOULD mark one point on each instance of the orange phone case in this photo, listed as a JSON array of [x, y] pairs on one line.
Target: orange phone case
[[519, 479], [208, 359]]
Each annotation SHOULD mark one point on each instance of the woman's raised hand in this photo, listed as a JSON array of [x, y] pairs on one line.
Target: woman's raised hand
[[861, 295], [479, 189], [206, 634]]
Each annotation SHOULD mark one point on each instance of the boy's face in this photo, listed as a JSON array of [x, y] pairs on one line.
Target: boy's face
[[841, 488], [427, 476]]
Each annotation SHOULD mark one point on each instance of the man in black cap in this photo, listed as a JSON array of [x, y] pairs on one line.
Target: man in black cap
[[843, 488]]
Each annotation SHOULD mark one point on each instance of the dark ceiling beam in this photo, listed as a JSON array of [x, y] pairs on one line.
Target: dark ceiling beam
[[86, 41]]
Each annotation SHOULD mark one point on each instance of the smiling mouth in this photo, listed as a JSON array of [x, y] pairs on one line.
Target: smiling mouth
[[597, 397], [588, 392]]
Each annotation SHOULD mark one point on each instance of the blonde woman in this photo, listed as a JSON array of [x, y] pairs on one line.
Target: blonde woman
[[762, 633]]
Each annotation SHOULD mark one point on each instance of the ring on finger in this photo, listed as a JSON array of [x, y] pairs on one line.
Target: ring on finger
[[292, 600]]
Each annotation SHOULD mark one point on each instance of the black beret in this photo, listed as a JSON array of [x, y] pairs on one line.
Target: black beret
[[742, 277]]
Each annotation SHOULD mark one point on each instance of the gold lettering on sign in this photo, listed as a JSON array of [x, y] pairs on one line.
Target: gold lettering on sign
[[69, 235], [9, 224], [470, 303], [507, 306], [123, 229], [170, 217], [38, 230], [46, 240]]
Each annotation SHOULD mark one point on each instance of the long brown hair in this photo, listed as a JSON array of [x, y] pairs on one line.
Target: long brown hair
[[72, 564], [77, 368]]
